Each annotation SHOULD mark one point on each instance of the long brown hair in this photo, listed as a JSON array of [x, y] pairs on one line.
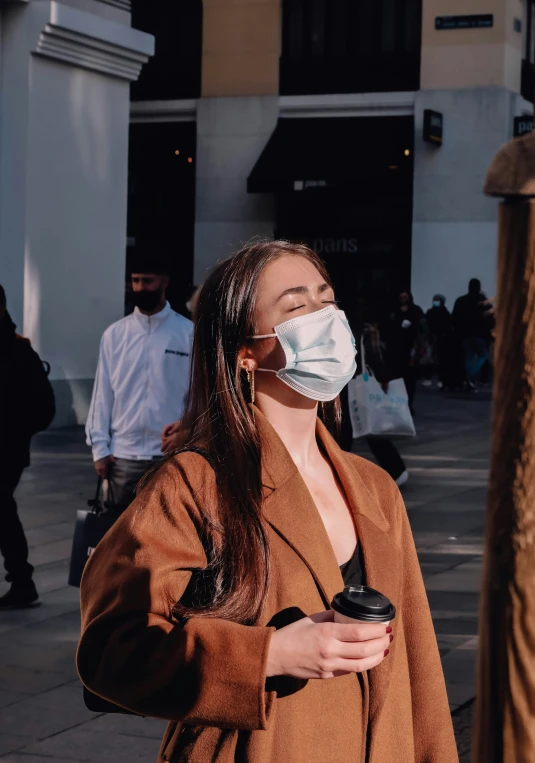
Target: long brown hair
[[218, 418]]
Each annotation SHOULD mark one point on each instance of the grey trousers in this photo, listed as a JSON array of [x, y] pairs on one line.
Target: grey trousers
[[123, 478]]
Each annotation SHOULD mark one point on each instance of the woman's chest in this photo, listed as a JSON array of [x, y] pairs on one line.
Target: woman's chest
[[333, 508]]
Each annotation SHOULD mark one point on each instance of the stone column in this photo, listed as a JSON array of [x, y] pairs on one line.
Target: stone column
[[504, 729], [66, 69]]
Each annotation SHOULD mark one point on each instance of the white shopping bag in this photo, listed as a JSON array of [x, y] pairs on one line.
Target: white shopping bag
[[374, 412]]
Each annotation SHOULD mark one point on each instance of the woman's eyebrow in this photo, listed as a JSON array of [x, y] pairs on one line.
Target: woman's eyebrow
[[301, 290], [292, 290]]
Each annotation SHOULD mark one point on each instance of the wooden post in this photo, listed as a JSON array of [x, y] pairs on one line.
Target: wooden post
[[505, 706]]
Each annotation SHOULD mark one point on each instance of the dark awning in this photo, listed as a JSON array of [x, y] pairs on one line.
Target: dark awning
[[334, 152]]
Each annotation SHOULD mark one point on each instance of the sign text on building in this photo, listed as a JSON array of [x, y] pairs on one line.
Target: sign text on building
[[481, 21], [523, 125]]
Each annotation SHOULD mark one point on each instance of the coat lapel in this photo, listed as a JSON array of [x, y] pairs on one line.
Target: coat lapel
[[382, 556], [290, 510]]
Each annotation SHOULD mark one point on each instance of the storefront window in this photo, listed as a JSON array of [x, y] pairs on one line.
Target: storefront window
[[174, 72], [341, 46]]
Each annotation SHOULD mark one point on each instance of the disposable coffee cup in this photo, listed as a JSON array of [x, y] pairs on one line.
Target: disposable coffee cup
[[362, 604]]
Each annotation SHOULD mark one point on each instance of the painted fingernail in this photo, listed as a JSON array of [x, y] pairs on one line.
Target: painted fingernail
[[387, 652], [389, 630], [391, 638]]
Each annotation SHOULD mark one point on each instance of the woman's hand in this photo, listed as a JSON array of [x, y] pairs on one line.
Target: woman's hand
[[317, 647]]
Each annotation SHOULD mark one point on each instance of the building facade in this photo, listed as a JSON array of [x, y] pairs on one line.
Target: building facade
[[309, 125], [303, 119]]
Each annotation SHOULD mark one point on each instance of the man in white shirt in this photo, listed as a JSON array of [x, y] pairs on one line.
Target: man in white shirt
[[140, 386]]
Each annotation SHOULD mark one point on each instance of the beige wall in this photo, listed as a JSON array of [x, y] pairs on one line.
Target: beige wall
[[241, 45], [469, 58]]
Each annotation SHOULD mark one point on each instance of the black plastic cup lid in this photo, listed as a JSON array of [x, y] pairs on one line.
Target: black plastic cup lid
[[364, 604]]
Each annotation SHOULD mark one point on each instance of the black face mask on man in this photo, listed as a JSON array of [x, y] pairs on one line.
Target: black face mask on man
[[146, 300]]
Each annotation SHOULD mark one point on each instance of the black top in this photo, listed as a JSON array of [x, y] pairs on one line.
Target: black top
[[353, 570], [26, 397]]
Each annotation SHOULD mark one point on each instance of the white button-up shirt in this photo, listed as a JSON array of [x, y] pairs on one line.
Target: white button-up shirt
[[141, 383]]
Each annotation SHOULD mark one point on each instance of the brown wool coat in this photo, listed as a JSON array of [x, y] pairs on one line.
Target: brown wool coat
[[208, 677]]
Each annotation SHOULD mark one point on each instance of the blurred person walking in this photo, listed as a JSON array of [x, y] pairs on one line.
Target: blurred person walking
[[473, 324], [140, 385], [401, 337], [385, 452], [26, 407], [440, 325]]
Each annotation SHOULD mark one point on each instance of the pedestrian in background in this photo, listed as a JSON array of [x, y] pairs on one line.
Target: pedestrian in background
[[473, 324], [140, 385], [440, 325], [385, 452], [401, 334], [26, 407]]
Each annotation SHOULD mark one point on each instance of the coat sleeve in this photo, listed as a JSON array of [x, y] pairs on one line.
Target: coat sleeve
[[433, 731], [207, 672], [98, 426]]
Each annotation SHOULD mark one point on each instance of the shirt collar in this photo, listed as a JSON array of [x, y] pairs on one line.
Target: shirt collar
[[153, 320]]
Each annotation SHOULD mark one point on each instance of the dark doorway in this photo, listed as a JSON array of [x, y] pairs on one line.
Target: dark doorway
[[161, 198], [344, 186], [365, 243]]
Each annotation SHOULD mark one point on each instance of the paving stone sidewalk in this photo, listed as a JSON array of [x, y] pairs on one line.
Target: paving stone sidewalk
[[42, 716]]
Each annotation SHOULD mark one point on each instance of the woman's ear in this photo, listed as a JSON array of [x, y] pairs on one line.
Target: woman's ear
[[246, 359]]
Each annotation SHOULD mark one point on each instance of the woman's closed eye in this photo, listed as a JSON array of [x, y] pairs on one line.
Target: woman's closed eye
[[323, 302]]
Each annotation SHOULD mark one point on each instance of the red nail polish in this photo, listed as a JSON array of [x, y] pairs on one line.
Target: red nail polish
[[391, 638], [389, 629], [387, 652]]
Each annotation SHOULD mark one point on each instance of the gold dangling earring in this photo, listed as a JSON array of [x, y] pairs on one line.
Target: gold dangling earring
[[250, 379]]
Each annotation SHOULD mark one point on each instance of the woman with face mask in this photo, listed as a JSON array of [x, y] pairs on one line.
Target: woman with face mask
[[208, 603]]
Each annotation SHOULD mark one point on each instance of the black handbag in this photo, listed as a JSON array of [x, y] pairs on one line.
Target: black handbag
[[91, 526], [93, 702]]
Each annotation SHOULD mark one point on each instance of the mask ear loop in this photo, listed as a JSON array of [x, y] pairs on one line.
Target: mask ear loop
[[266, 370]]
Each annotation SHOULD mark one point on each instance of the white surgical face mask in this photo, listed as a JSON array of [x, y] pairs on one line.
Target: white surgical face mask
[[320, 353]]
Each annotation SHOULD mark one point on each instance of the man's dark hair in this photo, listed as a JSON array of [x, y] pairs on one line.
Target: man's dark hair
[[474, 287], [149, 255], [143, 263], [2, 296]]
